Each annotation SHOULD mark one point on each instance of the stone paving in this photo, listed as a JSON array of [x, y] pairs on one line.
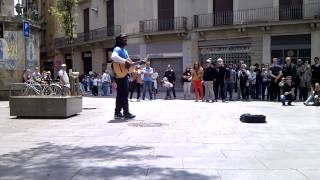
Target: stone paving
[[187, 140]]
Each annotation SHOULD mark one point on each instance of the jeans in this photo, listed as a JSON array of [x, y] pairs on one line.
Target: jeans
[[265, 90], [105, 88], [208, 87], [285, 98], [147, 85], [186, 89], [312, 99], [229, 87]]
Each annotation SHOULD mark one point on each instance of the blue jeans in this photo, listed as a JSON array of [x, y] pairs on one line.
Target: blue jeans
[[147, 85], [105, 88]]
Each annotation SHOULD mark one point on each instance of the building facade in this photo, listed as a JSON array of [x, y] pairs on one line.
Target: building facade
[[179, 32], [17, 52]]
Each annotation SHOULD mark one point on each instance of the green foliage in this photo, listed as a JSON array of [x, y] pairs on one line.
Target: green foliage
[[64, 10]]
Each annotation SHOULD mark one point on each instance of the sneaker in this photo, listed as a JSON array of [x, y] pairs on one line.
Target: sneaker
[[118, 116], [289, 104], [129, 116]]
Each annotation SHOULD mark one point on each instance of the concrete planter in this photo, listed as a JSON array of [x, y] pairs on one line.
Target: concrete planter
[[45, 106]]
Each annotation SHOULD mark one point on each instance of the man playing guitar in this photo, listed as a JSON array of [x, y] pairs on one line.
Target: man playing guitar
[[120, 55]]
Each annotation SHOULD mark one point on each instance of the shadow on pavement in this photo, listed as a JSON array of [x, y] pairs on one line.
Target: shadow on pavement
[[65, 162]]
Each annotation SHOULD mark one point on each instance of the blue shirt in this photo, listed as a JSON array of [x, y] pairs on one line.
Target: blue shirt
[[145, 76], [121, 52]]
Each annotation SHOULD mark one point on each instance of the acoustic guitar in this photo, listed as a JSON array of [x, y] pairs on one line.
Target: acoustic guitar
[[121, 70]]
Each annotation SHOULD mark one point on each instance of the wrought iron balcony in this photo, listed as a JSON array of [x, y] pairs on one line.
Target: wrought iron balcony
[[91, 36], [160, 25], [260, 15]]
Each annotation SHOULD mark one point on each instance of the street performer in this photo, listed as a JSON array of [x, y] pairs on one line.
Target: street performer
[[120, 55]]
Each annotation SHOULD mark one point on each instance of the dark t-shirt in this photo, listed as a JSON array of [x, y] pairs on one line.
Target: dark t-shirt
[[286, 88], [315, 73], [221, 71], [275, 70], [209, 74], [290, 70], [186, 73], [170, 75]]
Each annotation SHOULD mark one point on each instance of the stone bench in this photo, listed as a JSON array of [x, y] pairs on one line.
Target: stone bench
[[45, 106]]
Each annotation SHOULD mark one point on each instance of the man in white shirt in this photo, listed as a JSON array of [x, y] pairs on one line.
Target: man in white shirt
[[64, 79], [106, 80]]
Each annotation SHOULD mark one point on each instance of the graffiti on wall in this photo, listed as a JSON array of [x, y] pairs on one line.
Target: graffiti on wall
[[9, 51]]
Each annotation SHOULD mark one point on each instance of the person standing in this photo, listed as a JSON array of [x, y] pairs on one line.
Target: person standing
[[209, 76], [219, 83], [197, 77], [154, 77], [305, 80], [276, 74], [186, 79], [106, 80], [136, 82], [95, 85], [147, 80], [64, 78], [315, 71], [243, 76], [265, 82], [120, 55], [230, 80], [170, 74]]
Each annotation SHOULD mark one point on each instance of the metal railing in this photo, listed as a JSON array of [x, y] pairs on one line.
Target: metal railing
[[93, 35], [259, 15], [157, 25]]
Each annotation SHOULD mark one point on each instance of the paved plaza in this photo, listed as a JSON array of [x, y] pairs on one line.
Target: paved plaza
[[169, 139]]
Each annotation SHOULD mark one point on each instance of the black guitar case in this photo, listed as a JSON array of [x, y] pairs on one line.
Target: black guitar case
[[249, 118]]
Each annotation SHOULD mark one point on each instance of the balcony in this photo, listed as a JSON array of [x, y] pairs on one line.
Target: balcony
[[256, 16], [92, 36], [163, 25]]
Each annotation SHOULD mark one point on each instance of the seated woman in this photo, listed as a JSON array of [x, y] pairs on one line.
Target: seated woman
[[314, 99]]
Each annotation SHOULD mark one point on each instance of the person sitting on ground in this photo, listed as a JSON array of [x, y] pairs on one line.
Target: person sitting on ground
[[314, 98], [168, 85], [287, 90]]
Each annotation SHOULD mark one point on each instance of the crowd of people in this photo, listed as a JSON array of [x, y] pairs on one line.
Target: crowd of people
[[289, 82], [217, 80]]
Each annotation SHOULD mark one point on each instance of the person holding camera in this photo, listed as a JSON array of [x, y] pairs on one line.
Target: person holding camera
[[314, 97], [287, 90], [243, 76], [305, 79]]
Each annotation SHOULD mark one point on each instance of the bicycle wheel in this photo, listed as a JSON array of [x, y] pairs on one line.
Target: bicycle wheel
[[30, 91], [53, 90]]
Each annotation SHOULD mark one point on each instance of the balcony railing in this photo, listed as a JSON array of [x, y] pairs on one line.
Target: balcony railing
[[260, 15], [93, 35], [159, 25]]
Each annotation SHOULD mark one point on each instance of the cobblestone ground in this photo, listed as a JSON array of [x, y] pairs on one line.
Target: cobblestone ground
[[169, 139]]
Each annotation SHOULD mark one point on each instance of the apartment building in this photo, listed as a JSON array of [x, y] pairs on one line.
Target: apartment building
[[179, 32], [17, 52]]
